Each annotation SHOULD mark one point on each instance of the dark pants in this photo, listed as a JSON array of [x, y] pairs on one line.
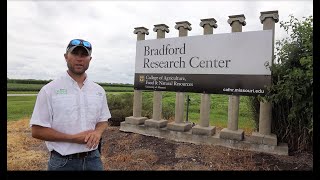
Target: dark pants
[[92, 162]]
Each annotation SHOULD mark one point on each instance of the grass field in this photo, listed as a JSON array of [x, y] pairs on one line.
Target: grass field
[[19, 107], [218, 112], [23, 87], [12, 87], [22, 92]]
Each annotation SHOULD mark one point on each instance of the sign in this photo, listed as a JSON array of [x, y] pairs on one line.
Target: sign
[[230, 63]]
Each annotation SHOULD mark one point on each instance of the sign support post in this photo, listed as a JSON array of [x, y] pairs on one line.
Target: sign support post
[[232, 132]]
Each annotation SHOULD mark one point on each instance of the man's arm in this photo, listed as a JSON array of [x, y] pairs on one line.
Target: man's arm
[[93, 138], [101, 126], [49, 134]]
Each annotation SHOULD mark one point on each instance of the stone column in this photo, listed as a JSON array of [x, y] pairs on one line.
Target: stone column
[[178, 124], [156, 120], [264, 136], [204, 127], [232, 132], [137, 98]]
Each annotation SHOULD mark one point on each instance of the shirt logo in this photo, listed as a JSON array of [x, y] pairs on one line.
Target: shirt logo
[[61, 91]]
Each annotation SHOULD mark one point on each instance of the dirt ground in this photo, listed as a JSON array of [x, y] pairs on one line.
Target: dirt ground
[[130, 151]]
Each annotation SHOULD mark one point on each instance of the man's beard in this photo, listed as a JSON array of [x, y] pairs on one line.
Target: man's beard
[[77, 72]]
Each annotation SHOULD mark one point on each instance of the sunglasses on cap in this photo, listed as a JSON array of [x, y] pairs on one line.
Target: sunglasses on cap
[[80, 42], [77, 42]]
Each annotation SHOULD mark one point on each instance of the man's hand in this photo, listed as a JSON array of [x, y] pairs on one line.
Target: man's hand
[[49, 134], [92, 139], [80, 138]]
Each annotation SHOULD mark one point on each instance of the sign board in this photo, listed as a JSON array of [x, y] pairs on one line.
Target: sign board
[[230, 63]]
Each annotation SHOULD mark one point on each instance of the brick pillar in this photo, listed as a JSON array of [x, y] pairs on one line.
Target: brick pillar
[[156, 120], [178, 124], [137, 97], [232, 132], [204, 127], [264, 136]]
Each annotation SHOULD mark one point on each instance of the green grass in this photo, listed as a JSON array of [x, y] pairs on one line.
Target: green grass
[[23, 87], [117, 89], [114, 93], [218, 112], [36, 92], [22, 92], [22, 107], [19, 107], [13, 87]]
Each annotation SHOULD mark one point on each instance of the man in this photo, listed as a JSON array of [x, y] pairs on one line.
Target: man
[[71, 113]]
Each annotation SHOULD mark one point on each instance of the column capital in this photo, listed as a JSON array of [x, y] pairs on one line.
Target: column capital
[[161, 27], [184, 24], [241, 18], [269, 14], [143, 30], [210, 21]]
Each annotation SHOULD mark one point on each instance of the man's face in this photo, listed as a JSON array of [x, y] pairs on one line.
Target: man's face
[[78, 60]]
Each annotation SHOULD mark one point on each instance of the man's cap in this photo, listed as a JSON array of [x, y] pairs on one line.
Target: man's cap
[[79, 43]]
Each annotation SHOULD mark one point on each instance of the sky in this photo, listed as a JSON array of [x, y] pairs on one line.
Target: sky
[[38, 32]]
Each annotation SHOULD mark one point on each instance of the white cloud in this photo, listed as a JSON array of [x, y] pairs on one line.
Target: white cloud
[[38, 32]]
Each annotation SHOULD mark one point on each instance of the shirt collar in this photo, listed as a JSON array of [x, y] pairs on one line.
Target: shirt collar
[[73, 81]]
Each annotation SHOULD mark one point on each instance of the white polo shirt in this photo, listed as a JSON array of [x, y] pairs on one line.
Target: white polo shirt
[[64, 107]]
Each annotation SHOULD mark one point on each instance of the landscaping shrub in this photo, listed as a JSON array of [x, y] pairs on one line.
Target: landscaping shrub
[[291, 92]]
